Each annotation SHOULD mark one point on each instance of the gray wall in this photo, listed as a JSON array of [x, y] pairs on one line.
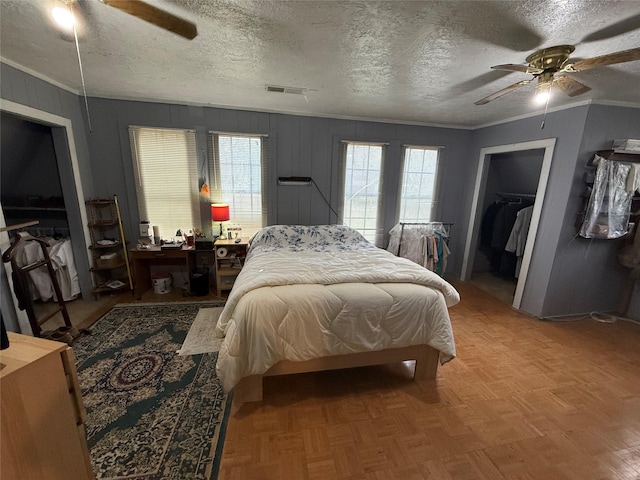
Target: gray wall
[[29, 174], [567, 127], [29, 164], [586, 275], [568, 275], [298, 146], [563, 267], [517, 172]]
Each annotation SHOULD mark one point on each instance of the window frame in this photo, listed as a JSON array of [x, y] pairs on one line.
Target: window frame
[[401, 184], [214, 173], [344, 145], [192, 190]]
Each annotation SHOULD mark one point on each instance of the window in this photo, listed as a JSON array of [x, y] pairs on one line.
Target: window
[[417, 201], [362, 168], [165, 169], [237, 174]]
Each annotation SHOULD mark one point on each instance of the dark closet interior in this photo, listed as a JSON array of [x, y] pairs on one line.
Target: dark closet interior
[[31, 190], [510, 192], [30, 181]]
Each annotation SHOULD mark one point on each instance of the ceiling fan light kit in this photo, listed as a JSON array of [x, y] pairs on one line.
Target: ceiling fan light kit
[[543, 92], [544, 64], [63, 16]]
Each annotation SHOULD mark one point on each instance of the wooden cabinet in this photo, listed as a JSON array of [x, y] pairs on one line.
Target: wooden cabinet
[[108, 248], [229, 260], [41, 412]]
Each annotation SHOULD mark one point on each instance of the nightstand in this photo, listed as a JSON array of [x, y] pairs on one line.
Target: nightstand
[[229, 259]]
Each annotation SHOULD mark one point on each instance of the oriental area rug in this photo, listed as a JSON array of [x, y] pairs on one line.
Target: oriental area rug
[[151, 414]]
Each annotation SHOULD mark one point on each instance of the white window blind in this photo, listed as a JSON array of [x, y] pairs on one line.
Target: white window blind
[[165, 169], [417, 200], [238, 173], [362, 168]]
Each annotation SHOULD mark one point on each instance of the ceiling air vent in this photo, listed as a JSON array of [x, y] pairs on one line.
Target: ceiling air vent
[[292, 90]]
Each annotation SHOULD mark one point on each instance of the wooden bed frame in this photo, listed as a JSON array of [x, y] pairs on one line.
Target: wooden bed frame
[[249, 389]]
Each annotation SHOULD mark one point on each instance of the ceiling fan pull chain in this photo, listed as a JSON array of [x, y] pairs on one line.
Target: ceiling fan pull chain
[[546, 106], [84, 89]]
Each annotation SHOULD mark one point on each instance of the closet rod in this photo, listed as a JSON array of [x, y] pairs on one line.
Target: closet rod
[[522, 195]]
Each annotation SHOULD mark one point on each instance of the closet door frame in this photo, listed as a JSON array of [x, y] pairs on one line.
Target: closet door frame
[[65, 150], [476, 208]]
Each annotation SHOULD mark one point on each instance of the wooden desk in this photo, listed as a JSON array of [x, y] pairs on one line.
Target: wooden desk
[[143, 259]]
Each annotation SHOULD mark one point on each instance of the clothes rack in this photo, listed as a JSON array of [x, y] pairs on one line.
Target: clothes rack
[[417, 248], [21, 281], [445, 229]]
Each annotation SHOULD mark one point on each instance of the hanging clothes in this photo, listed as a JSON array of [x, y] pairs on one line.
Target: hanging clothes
[[422, 243], [497, 225], [40, 286], [62, 259], [518, 237]]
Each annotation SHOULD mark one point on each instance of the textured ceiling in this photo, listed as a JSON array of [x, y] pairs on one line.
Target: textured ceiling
[[416, 61]]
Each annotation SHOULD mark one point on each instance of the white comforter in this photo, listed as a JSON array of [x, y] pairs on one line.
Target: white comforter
[[303, 305]]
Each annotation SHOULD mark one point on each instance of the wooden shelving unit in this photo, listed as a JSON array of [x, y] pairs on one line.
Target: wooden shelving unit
[[110, 274], [228, 266]]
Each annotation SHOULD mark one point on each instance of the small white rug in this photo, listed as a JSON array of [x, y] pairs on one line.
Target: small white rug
[[201, 337]]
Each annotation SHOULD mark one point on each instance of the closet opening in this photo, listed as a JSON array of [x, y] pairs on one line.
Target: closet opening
[[40, 182], [505, 214]]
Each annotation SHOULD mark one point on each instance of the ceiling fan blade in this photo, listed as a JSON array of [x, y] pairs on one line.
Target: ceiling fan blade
[[619, 28], [502, 92], [154, 15], [609, 59], [515, 67], [570, 86], [495, 23]]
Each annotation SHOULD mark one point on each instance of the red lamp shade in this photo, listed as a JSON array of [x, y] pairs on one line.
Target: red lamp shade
[[219, 212]]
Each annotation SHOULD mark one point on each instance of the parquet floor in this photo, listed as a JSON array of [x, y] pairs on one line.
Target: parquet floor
[[524, 399]]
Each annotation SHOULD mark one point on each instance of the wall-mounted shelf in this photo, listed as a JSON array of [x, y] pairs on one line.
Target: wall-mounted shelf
[[619, 157]]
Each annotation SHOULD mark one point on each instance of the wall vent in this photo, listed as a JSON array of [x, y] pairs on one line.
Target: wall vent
[[280, 89]]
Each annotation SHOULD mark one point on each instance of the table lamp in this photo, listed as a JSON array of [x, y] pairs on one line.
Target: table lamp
[[220, 213]]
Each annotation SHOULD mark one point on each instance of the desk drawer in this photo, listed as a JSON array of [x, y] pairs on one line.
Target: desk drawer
[[147, 255]]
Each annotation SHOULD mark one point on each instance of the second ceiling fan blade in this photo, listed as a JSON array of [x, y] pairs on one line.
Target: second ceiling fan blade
[[570, 86], [154, 15], [516, 67], [609, 59], [502, 92]]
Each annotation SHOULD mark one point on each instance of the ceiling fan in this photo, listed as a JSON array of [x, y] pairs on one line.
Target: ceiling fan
[[154, 15], [549, 65]]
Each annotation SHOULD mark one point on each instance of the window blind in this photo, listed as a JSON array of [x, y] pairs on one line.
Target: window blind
[[165, 170]]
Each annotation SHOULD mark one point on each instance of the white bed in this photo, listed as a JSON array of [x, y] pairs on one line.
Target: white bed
[[323, 297]]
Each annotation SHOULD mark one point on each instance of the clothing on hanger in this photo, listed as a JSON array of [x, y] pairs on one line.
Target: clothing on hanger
[[422, 243]]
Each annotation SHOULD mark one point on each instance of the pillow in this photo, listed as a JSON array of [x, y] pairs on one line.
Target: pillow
[[318, 238]]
